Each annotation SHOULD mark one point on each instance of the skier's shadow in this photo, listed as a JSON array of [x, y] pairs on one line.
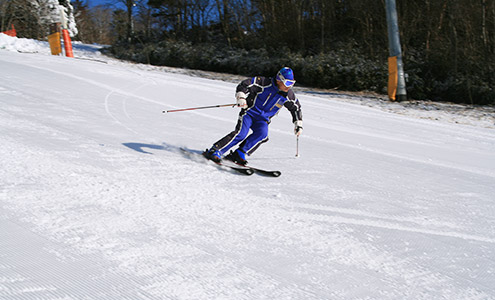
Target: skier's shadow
[[145, 149], [140, 147]]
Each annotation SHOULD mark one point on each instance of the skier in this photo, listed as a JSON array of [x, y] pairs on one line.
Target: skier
[[260, 99]]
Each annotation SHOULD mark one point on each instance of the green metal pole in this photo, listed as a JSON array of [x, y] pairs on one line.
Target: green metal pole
[[395, 48]]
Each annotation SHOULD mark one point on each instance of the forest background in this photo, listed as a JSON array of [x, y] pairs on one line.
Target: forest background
[[448, 45]]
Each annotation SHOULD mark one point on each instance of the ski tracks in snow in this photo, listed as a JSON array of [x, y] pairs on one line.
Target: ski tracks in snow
[[35, 268], [321, 213], [348, 237], [344, 127]]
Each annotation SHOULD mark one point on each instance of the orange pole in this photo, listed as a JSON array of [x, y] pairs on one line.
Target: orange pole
[[11, 32], [393, 77], [67, 43]]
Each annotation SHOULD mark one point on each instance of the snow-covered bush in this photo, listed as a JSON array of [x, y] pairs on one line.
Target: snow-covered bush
[[328, 70]]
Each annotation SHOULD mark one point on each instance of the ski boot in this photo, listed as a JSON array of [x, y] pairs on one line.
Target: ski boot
[[238, 157], [213, 154]]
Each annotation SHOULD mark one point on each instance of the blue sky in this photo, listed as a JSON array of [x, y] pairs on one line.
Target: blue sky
[[113, 3]]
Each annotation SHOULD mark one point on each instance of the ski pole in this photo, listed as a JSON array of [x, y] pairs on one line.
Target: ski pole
[[297, 146], [201, 107]]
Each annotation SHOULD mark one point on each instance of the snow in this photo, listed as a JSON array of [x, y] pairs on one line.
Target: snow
[[97, 201]]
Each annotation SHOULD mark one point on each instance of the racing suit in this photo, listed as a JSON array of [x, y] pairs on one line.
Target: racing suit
[[264, 100]]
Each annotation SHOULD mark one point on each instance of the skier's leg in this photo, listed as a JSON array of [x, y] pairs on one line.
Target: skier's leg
[[236, 136], [255, 139]]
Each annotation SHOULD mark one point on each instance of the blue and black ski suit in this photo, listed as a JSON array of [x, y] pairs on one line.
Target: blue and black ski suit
[[264, 100]]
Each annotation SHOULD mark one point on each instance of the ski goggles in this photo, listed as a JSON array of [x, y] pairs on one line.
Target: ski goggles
[[286, 82]]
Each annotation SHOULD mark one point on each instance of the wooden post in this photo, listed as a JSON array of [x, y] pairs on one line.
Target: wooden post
[[54, 39]]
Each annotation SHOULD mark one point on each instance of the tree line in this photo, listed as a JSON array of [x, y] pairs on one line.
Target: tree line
[[448, 45]]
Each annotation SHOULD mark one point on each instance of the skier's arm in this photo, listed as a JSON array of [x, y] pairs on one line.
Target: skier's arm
[[294, 107], [248, 89], [242, 92]]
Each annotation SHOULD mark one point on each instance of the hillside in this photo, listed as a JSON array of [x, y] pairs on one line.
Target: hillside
[[98, 202]]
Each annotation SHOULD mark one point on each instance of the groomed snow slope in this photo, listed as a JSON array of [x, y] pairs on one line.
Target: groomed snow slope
[[97, 201]]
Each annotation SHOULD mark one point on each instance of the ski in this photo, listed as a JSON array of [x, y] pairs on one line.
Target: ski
[[240, 169], [243, 169], [237, 168], [265, 172], [258, 170]]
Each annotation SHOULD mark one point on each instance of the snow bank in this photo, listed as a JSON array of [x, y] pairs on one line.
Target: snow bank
[[41, 47], [23, 45]]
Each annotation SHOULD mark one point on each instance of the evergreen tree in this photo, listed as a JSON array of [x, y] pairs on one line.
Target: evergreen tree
[[32, 18]]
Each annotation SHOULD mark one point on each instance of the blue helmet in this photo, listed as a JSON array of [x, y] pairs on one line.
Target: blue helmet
[[286, 75]]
